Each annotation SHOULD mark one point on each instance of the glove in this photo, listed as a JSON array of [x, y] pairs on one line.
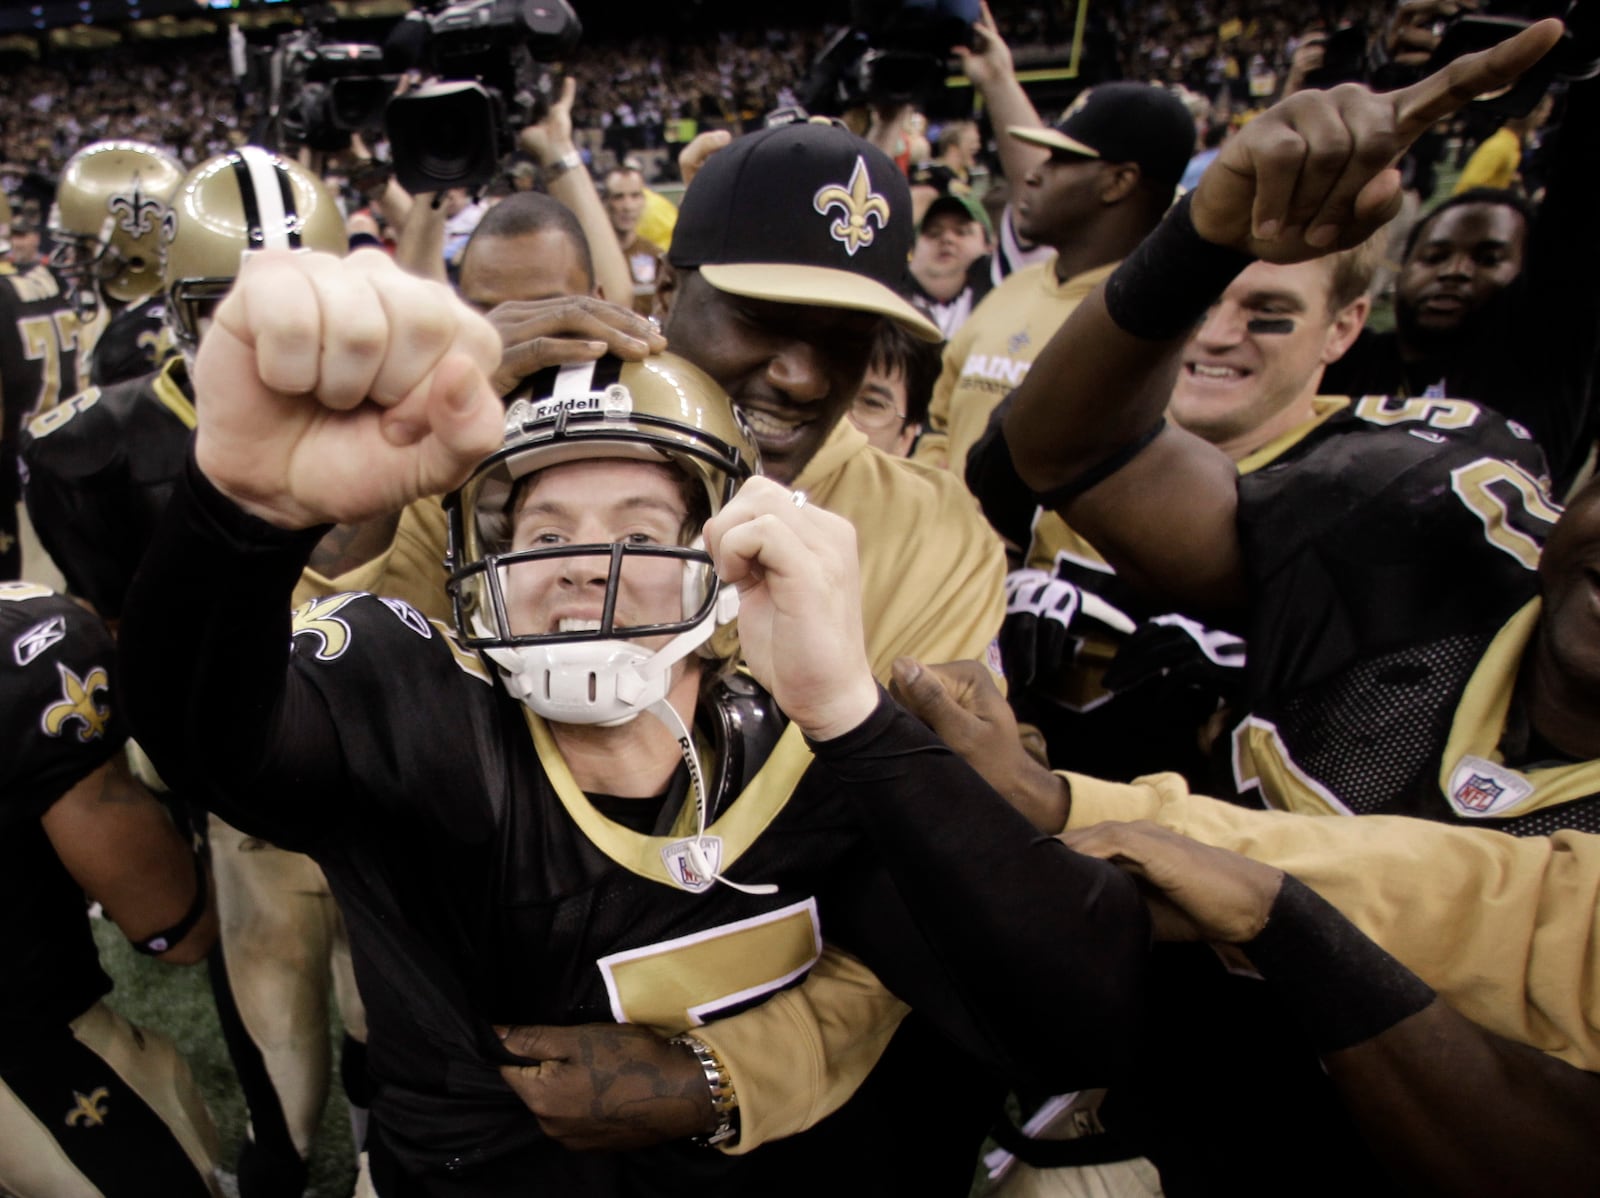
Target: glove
[[1047, 619]]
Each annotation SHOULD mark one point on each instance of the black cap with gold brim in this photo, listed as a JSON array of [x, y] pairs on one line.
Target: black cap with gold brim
[[1123, 122], [805, 213]]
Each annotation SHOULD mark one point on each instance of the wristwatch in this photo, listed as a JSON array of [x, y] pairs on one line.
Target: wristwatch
[[724, 1102], [570, 161]]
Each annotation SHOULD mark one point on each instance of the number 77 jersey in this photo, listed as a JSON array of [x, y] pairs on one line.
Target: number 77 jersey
[[39, 346], [1393, 558]]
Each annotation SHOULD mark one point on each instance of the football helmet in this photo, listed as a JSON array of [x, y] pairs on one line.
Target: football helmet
[[588, 671], [106, 219], [247, 199]]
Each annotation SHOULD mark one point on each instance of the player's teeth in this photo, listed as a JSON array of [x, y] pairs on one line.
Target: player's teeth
[[1216, 372], [573, 624]]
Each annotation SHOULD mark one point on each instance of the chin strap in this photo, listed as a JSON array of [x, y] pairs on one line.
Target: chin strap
[[634, 683], [696, 861]]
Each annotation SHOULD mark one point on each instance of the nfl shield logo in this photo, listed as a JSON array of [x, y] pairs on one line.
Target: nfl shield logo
[[1479, 793], [693, 863]]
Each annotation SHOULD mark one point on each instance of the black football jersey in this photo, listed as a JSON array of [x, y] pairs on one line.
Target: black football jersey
[[56, 708], [1387, 559], [38, 367], [100, 469], [135, 342]]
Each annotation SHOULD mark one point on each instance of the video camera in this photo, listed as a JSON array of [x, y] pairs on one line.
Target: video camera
[[324, 91], [892, 52], [487, 80]]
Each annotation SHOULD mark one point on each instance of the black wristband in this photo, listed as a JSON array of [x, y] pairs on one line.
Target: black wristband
[[1164, 287], [154, 946], [1057, 498], [1341, 986]]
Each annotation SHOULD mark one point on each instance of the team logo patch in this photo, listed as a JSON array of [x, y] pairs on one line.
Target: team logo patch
[[136, 212], [317, 619], [859, 205], [410, 617], [1480, 789], [693, 862], [27, 647], [89, 1110], [78, 703]]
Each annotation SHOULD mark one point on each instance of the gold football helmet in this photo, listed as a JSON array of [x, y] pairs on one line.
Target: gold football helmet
[[106, 220], [663, 409], [247, 199]]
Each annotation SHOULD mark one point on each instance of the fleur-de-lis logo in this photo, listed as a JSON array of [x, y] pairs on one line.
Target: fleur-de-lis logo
[[316, 618], [860, 205], [78, 703], [90, 1111], [135, 212]]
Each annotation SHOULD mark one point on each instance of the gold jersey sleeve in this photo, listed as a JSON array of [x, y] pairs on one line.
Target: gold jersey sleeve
[[1503, 927]]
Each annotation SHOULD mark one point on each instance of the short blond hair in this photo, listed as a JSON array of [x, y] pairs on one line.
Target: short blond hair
[[1354, 270]]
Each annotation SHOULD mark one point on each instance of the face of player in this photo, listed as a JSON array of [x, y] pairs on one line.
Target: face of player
[[25, 249], [880, 412], [597, 502], [1464, 257], [1057, 198], [791, 369], [947, 244], [624, 201], [530, 266], [1252, 368]]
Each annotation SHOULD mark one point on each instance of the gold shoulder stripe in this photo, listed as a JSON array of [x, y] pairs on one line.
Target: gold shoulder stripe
[[1324, 406], [739, 825], [171, 395]]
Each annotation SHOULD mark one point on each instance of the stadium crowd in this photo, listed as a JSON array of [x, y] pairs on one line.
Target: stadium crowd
[[948, 635]]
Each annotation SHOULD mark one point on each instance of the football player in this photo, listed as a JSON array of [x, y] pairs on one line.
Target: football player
[[106, 226], [40, 357], [101, 470], [1375, 683], [89, 1103], [531, 834]]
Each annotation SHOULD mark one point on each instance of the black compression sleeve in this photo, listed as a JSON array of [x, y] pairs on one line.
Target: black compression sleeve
[[205, 635], [1048, 949], [1343, 988], [1165, 286]]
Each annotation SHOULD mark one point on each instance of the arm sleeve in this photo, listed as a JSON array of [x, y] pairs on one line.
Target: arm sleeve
[[205, 649], [1028, 955], [832, 1028], [1502, 927]]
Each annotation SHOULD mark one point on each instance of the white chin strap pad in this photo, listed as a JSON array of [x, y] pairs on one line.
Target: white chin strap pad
[[589, 682]]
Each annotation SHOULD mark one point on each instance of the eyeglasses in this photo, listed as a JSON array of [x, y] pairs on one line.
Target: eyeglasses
[[872, 412]]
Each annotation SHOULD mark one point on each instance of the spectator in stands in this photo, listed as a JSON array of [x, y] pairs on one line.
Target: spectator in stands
[[461, 216]]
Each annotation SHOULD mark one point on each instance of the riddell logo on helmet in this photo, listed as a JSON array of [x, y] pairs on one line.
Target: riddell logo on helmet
[[615, 400]]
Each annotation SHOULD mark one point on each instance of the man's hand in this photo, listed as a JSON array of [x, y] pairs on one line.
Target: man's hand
[[535, 334], [1413, 30], [334, 390], [1309, 56], [1316, 172], [694, 155], [552, 137], [1196, 892], [961, 703], [799, 605], [989, 59], [608, 1086]]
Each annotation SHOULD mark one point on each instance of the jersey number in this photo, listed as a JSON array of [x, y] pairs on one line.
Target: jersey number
[[1435, 413], [682, 983], [48, 340], [1502, 497]]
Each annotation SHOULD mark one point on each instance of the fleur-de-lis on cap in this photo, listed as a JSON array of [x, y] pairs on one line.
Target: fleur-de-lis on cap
[[860, 205]]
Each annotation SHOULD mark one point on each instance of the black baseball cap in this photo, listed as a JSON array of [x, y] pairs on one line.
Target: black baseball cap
[[804, 213], [1123, 122]]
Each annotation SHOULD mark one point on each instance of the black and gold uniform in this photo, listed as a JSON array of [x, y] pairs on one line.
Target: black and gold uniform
[[39, 353], [480, 886], [100, 469], [135, 342], [1389, 557], [88, 1103]]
